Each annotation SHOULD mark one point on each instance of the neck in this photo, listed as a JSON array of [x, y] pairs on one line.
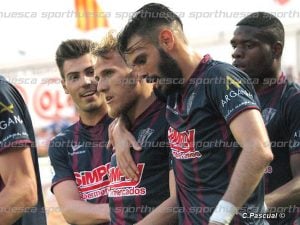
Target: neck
[[188, 60], [92, 118], [142, 103], [268, 81]]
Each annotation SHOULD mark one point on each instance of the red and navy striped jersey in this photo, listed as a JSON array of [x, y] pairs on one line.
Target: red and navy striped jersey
[[16, 130], [130, 200], [204, 150], [79, 153], [280, 106]]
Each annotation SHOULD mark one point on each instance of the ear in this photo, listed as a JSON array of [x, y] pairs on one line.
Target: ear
[[166, 39], [63, 83], [277, 49]]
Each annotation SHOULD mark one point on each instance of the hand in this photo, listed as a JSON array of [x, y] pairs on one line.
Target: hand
[[121, 140]]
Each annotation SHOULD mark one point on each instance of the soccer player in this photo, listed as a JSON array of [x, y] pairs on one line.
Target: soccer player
[[21, 197], [78, 154], [218, 139], [132, 200], [258, 43]]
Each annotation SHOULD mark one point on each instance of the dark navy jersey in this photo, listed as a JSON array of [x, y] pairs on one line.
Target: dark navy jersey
[[204, 150], [280, 106], [129, 200], [79, 153], [16, 131]]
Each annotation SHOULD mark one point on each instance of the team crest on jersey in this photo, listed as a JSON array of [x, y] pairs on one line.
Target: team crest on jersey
[[268, 114], [121, 186], [144, 135], [93, 184], [183, 144]]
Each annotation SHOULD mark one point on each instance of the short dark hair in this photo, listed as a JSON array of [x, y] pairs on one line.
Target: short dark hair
[[271, 28], [145, 22], [72, 49]]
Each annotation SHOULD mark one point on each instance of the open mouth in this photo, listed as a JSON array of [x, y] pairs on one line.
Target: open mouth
[[240, 66], [88, 93]]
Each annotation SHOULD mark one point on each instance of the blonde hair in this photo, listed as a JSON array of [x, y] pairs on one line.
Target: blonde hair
[[106, 45]]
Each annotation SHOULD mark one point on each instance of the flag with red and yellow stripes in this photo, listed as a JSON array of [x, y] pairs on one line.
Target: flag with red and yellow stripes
[[281, 2], [89, 15]]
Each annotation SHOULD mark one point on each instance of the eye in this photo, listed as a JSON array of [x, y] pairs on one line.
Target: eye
[[107, 73], [73, 77], [249, 45], [90, 71], [140, 60]]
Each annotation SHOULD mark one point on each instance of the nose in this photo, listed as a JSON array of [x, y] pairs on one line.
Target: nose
[[139, 72], [237, 53], [87, 80], [102, 85]]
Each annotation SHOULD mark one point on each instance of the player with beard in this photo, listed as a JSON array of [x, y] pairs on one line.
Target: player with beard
[[258, 43], [153, 192], [78, 154], [218, 139]]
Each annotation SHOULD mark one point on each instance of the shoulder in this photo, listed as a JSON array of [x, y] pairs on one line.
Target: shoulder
[[62, 140], [5, 85], [223, 70], [291, 95]]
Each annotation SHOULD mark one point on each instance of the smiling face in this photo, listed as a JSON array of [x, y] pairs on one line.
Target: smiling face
[[148, 61], [117, 83], [252, 55], [79, 81]]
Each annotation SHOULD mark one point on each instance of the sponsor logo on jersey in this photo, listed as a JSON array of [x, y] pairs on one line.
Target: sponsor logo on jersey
[[268, 114], [76, 147], [232, 81], [15, 120], [93, 184], [121, 186], [6, 108], [297, 134], [183, 144], [233, 94]]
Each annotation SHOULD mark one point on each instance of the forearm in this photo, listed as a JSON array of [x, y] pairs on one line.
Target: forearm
[[246, 176], [162, 215], [14, 201], [286, 195], [85, 213]]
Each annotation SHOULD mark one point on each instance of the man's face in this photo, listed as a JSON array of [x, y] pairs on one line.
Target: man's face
[[80, 83], [250, 54], [154, 64], [117, 83]]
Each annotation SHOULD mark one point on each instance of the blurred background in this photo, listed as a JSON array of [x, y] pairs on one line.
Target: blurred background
[[31, 30]]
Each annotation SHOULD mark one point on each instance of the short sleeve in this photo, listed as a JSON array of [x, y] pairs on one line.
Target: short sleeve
[[292, 116], [60, 163], [230, 91], [13, 118]]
